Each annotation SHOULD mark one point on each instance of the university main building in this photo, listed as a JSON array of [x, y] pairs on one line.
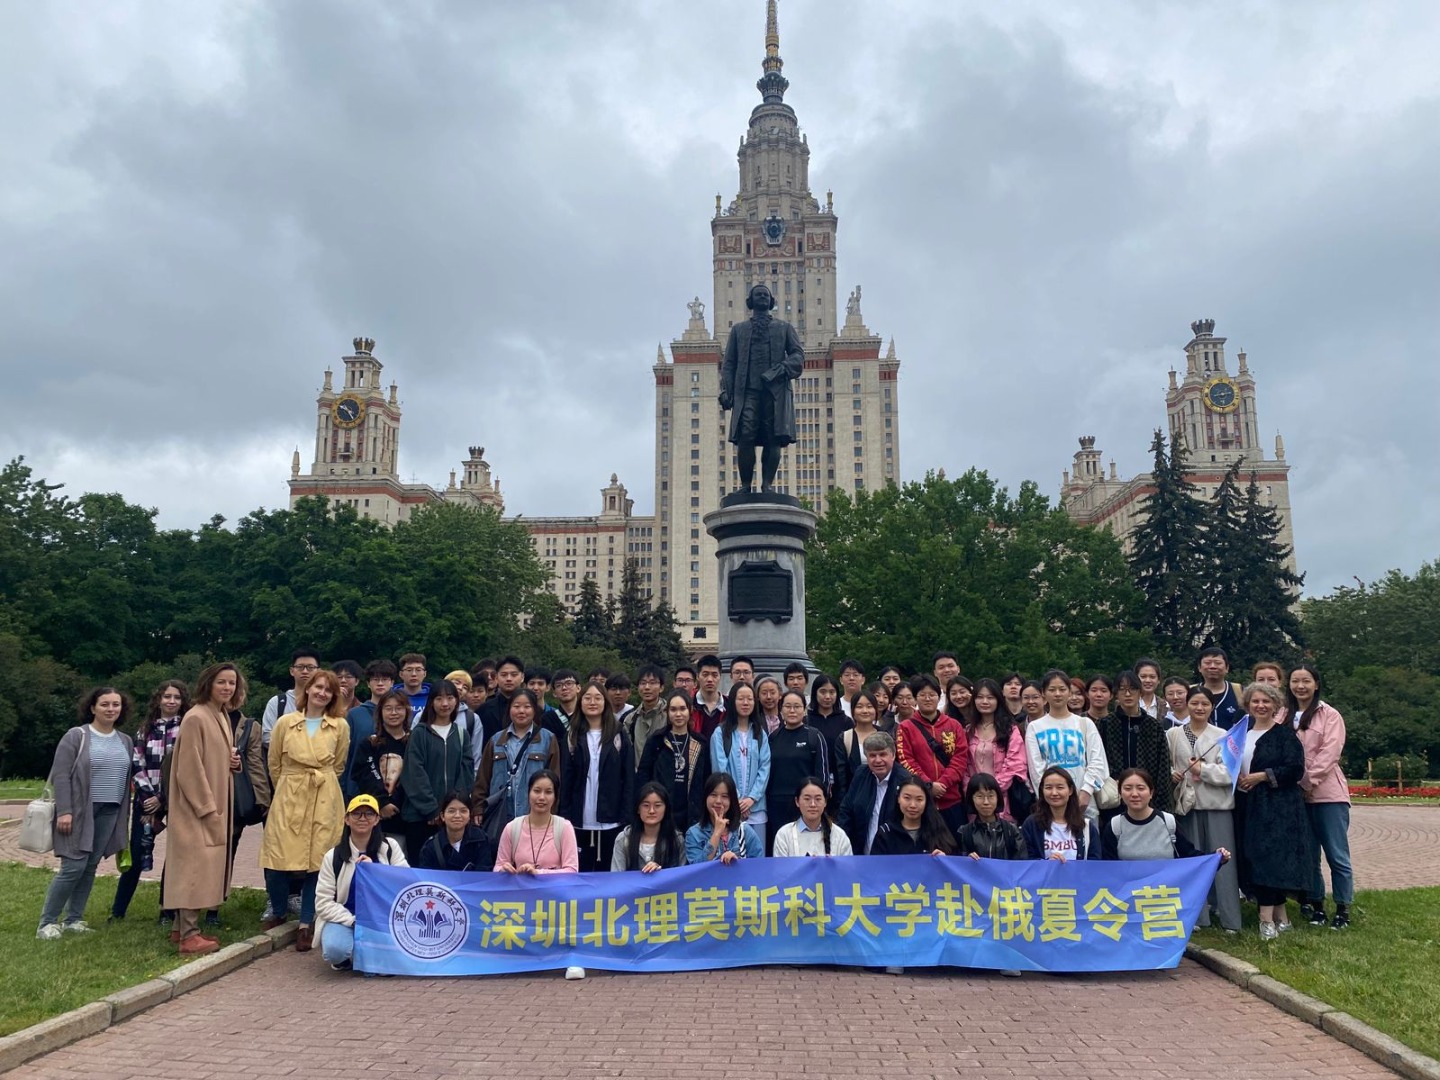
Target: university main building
[[775, 231]]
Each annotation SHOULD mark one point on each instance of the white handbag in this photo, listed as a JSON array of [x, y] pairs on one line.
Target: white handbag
[[37, 827]]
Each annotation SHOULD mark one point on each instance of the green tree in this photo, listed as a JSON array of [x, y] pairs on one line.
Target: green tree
[[894, 574], [645, 633], [1167, 557], [1388, 623], [1389, 712], [592, 625], [38, 699]]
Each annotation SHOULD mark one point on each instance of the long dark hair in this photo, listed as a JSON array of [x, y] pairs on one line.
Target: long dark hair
[[1074, 816], [579, 725], [86, 709], [934, 833], [869, 696], [667, 844], [1004, 720], [152, 711], [820, 682], [1303, 718], [443, 688], [731, 723], [394, 694], [725, 780], [967, 715], [815, 781], [341, 855]]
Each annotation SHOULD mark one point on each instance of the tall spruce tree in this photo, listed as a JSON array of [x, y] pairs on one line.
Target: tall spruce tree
[[1264, 617], [1168, 553], [592, 624]]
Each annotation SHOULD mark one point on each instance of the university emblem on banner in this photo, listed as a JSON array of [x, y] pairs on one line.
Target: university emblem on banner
[[429, 921]]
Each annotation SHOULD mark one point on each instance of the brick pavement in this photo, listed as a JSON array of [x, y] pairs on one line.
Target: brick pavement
[[289, 1015]]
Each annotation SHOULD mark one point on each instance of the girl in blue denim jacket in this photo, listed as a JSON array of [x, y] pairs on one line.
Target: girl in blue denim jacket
[[724, 838]]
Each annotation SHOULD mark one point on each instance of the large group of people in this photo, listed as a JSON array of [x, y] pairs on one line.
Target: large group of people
[[516, 769]]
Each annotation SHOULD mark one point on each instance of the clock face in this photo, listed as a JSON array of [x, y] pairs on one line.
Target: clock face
[[774, 230], [348, 411], [1220, 395]]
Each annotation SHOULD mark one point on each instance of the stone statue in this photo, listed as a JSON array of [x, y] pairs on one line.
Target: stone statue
[[852, 306], [697, 309], [762, 356]]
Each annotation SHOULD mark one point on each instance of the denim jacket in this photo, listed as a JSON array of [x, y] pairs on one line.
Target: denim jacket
[[741, 841]]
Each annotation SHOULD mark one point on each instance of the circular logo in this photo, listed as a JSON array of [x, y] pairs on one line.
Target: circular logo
[[429, 921]]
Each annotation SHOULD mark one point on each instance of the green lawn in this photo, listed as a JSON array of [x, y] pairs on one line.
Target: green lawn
[[41, 979], [1381, 970], [21, 789]]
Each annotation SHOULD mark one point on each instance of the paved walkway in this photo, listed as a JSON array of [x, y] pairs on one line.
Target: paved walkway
[[289, 1015]]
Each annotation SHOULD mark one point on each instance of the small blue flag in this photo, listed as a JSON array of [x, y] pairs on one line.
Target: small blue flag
[[1232, 749]]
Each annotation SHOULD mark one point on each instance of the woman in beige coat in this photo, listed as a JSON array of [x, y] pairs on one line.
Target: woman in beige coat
[[308, 749], [200, 804]]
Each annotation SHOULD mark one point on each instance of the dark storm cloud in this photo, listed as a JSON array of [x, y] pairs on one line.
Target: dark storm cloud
[[200, 206]]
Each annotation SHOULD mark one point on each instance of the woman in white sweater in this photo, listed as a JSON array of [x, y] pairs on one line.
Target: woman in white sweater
[[361, 841], [812, 833], [1205, 800]]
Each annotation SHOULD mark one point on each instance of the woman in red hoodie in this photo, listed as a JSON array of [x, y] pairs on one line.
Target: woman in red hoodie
[[933, 747]]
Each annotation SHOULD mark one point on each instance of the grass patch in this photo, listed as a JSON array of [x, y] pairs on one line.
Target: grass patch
[[21, 789], [41, 979], [1381, 970]]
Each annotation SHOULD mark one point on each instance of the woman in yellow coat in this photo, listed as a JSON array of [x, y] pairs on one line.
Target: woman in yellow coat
[[308, 748]]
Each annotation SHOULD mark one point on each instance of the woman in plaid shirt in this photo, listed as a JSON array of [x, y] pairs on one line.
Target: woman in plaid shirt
[[153, 741]]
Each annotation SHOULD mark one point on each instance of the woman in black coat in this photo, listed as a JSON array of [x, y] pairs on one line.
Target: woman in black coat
[[598, 786], [1276, 844]]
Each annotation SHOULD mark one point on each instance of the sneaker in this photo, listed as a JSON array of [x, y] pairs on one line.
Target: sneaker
[[269, 913], [343, 965], [1010, 973], [1317, 915], [48, 932], [1306, 911], [79, 926], [1284, 927], [1268, 931], [574, 973], [167, 918], [1342, 917], [894, 970], [294, 907], [212, 918]]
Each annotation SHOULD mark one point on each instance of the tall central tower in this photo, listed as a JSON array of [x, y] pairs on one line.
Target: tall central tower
[[774, 232]]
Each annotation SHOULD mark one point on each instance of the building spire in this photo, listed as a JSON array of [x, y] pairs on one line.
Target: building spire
[[772, 84]]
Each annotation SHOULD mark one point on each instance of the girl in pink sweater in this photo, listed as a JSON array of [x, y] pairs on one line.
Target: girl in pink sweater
[[1327, 796], [541, 842]]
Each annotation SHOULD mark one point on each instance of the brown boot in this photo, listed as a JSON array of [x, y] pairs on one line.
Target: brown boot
[[196, 945], [304, 939], [270, 924]]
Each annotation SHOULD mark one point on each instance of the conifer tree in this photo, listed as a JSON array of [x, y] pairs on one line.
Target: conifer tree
[[1168, 553], [592, 624]]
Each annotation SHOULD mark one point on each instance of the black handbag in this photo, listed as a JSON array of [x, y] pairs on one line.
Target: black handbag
[[248, 811], [1020, 799]]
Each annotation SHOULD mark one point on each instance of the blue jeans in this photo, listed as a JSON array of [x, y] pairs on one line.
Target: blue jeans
[[1330, 826], [337, 943], [277, 888], [70, 889]]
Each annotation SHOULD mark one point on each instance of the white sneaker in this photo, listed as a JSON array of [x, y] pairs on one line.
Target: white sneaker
[[294, 907], [48, 932], [269, 911], [79, 926], [1268, 931], [894, 971], [574, 973], [1010, 973], [1282, 927]]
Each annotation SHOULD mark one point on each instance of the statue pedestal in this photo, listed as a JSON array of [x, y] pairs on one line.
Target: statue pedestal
[[760, 545]]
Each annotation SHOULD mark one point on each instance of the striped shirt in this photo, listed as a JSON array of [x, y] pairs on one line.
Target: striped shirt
[[109, 768]]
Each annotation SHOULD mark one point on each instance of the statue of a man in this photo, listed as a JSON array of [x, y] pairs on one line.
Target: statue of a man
[[762, 356]]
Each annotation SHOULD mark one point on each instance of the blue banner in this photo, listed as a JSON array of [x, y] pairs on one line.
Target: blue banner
[[1232, 749], [877, 911]]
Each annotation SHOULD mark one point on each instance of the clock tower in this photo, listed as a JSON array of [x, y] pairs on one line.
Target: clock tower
[[1211, 410]]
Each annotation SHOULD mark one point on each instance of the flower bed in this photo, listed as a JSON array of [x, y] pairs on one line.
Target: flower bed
[[1367, 791]]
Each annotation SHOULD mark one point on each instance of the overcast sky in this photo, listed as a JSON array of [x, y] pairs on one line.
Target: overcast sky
[[202, 203]]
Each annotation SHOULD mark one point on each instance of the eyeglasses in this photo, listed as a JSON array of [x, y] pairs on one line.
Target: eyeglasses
[[305, 668], [414, 669]]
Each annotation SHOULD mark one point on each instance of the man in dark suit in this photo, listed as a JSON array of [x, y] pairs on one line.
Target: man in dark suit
[[762, 356], [870, 802]]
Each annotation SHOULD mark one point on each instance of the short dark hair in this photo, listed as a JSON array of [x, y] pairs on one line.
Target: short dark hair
[[513, 661], [564, 673], [651, 671], [708, 660], [301, 654], [618, 681], [382, 669], [87, 704], [485, 663], [413, 658], [538, 673], [602, 672], [795, 667], [1127, 678], [917, 682], [1214, 650], [684, 667], [944, 654], [742, 660], [347, 667], [852, 665], [1101, 678]]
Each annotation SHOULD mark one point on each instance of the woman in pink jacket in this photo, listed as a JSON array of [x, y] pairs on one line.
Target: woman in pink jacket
[[996, 745], [1327, 795]]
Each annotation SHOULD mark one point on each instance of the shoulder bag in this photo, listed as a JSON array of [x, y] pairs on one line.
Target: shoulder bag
[[37, 828], [500, 806]]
